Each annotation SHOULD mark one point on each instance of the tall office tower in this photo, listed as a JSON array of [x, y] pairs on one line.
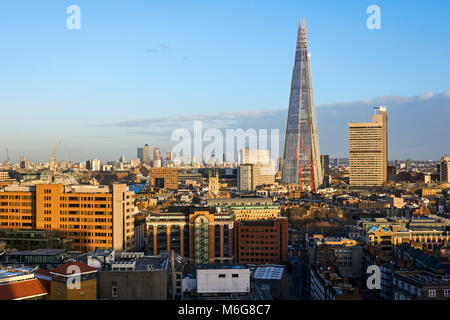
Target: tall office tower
[[301, 159], [93, 165], [256, 168], [254, 156], [122, 159], [157, 158], [167, 159], [325, 162], [368, 151], [146, 154], [444, 166], [140, 154], [245, 178]]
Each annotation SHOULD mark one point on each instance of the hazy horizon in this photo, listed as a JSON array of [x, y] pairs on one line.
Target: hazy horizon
[[137, 70]]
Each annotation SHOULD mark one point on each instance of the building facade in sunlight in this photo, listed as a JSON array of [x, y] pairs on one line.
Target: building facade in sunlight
[[301, 161]]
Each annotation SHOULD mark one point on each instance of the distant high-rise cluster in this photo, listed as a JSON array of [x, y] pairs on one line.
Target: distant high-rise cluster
[[144, 154]]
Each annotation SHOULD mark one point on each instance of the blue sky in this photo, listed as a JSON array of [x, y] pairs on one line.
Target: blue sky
[[155, 59]]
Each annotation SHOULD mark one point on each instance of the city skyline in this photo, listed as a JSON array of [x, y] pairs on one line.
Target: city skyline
[[111, 91], [191, 152], [406, 114]]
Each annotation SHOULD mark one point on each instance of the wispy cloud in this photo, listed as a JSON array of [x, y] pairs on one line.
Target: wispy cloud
[[413, 121], [161, 47], [222, 119], [103, 137], [427, 95]]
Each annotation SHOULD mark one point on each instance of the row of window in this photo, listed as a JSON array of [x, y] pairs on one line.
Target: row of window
[[16, 197], [223, 275]]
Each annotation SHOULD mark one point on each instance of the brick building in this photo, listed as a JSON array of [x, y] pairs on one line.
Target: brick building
[[164, 178], [82, 280], [261, 241]]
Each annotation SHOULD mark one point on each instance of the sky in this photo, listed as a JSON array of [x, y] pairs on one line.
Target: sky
[[137, 60]]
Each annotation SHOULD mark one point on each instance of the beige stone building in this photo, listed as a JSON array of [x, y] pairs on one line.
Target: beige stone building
[[368, 151], [256, 169], [444, 173]]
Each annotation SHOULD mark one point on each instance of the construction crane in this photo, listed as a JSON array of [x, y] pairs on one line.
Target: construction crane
[[54, 161]]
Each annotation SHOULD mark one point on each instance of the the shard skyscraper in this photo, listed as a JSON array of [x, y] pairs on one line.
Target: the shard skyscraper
[[301, 160]]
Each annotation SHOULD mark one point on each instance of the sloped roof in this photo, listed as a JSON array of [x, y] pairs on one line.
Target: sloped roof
[[64, 269], [22, 290], [375, 228]]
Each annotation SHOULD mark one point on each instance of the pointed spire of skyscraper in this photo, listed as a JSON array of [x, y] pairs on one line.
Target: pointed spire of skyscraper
[[301, 147]]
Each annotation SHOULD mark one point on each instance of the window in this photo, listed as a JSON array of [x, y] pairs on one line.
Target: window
[[431, 293], [447, 293], [221, 275], [114, 292], [235, 275]]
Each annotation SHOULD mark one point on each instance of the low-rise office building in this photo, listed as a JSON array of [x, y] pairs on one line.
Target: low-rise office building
[[218, 282], [164, 178], [420, 285], [327, 284], [44, 258], [94, 217], [255, 212], [199, 233], [73, 281]]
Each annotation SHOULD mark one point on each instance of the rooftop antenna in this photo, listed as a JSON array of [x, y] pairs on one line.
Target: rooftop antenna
[[7, 155]]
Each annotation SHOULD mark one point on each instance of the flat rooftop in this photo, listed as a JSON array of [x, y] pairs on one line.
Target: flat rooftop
[[269, 272], [221, 266], [8, 274], [37, 252]]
